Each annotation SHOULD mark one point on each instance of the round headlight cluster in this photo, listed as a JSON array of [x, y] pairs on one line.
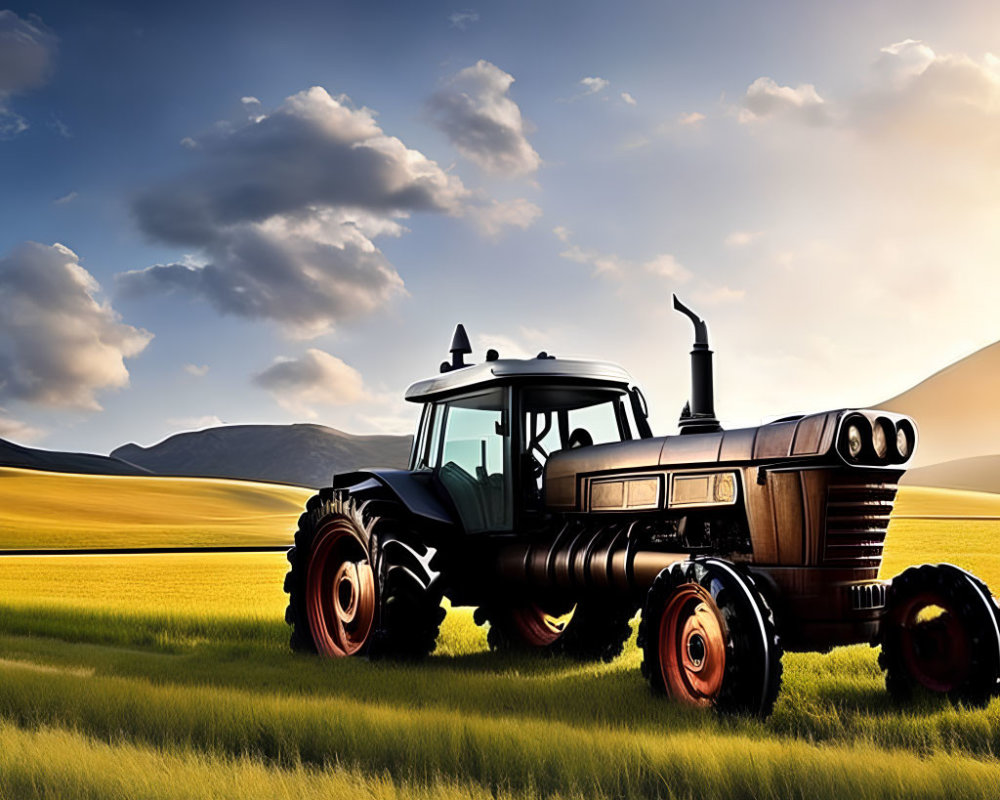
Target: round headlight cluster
[[880, 441]]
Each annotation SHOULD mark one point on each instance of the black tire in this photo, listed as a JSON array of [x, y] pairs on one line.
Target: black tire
[[709, 639], [597, 632], [524, 626], [323, 511], [408, 597], [594, 632], [940, 635], [410, 611]]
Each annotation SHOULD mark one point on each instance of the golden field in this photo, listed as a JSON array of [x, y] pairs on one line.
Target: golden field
[[48, 510], [169, 676]]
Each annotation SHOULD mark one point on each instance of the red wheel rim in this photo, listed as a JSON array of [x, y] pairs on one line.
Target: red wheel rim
[[539, 628], [936, 647], [340, 591], [692, 646]]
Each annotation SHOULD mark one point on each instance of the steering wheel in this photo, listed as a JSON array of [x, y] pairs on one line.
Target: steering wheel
[[580, 437]]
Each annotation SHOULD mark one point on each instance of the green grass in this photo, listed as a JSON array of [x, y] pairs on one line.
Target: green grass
[[88, 767], [169, 676], [59, 511]]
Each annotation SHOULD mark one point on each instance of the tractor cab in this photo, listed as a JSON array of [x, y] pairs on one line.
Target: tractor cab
[[487, 429]]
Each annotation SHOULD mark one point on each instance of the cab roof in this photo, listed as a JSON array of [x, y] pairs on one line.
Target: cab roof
[[508, 370]]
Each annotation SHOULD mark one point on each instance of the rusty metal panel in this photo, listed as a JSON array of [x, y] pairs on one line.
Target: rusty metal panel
[[560, 492], [775, 440], [737, 445], [808, 435], [789, 520], [760, 515], [695, 448]]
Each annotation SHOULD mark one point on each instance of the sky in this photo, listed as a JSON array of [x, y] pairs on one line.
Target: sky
[[274, 213]]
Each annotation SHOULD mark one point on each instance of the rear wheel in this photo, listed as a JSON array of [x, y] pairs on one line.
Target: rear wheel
[[709, 639], [589, 630], [526, 625], [940, 635]]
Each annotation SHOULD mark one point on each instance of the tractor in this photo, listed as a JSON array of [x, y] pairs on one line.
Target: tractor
[[537, 493]]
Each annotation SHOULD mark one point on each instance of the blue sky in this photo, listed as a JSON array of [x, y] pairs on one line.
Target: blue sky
[[819, 181]]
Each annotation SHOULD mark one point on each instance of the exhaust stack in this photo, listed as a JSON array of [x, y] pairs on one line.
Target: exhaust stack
[[698, 415]]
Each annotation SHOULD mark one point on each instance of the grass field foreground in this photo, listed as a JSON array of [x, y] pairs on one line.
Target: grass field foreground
[[169, 676]]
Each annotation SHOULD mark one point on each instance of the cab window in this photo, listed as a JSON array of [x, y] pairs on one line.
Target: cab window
[[560, 417], [475, 458], [600, 421]]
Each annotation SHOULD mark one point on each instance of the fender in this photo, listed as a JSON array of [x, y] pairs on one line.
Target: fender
[[412, 490]]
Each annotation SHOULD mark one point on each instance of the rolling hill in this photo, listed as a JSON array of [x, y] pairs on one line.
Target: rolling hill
[[977, 474], [957, 411], [14, 455], [303, 455]]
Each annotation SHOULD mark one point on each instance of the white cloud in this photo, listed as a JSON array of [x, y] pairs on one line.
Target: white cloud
[[594, 85], [947, 101], [611, 265], [562, 233], [195, 423], [608, 264], [11, 123], [691, 118], [60, 127], [463, 19], [491, 218], [66, 198], [283, 213], [198, 371], [27, 57], [666, 266], [17, 431], [628, 98], [765, 98], [718, 295], [742, 238], [314, 379], [59, 344], [250, 100], [475, 111]]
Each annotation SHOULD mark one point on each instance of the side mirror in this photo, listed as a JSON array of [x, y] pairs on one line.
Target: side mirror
[[640, 410]]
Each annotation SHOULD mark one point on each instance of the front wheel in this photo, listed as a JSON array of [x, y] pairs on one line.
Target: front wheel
[[331, 585], [709, 639], [940, 634], [360, 583]]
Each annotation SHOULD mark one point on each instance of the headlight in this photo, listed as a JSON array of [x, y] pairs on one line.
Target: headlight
[[854, 441], [905, 439], [882, 433], [902, 445], [879, 441]]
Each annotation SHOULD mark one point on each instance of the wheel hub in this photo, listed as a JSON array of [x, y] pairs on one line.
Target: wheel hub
[[935, 643], [692, 646], [340, 591]]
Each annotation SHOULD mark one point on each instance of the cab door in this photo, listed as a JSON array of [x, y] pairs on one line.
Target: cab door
[[473, 458]]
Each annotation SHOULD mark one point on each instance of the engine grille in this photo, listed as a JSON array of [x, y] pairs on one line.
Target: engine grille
[[857, 517]]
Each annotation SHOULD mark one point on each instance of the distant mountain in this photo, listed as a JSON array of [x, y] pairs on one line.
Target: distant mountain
[[304, 455], [957, 409], [14, 455], [979, 474]]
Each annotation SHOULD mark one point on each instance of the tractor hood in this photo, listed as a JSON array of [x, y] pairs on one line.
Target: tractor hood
[[845, 437]]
